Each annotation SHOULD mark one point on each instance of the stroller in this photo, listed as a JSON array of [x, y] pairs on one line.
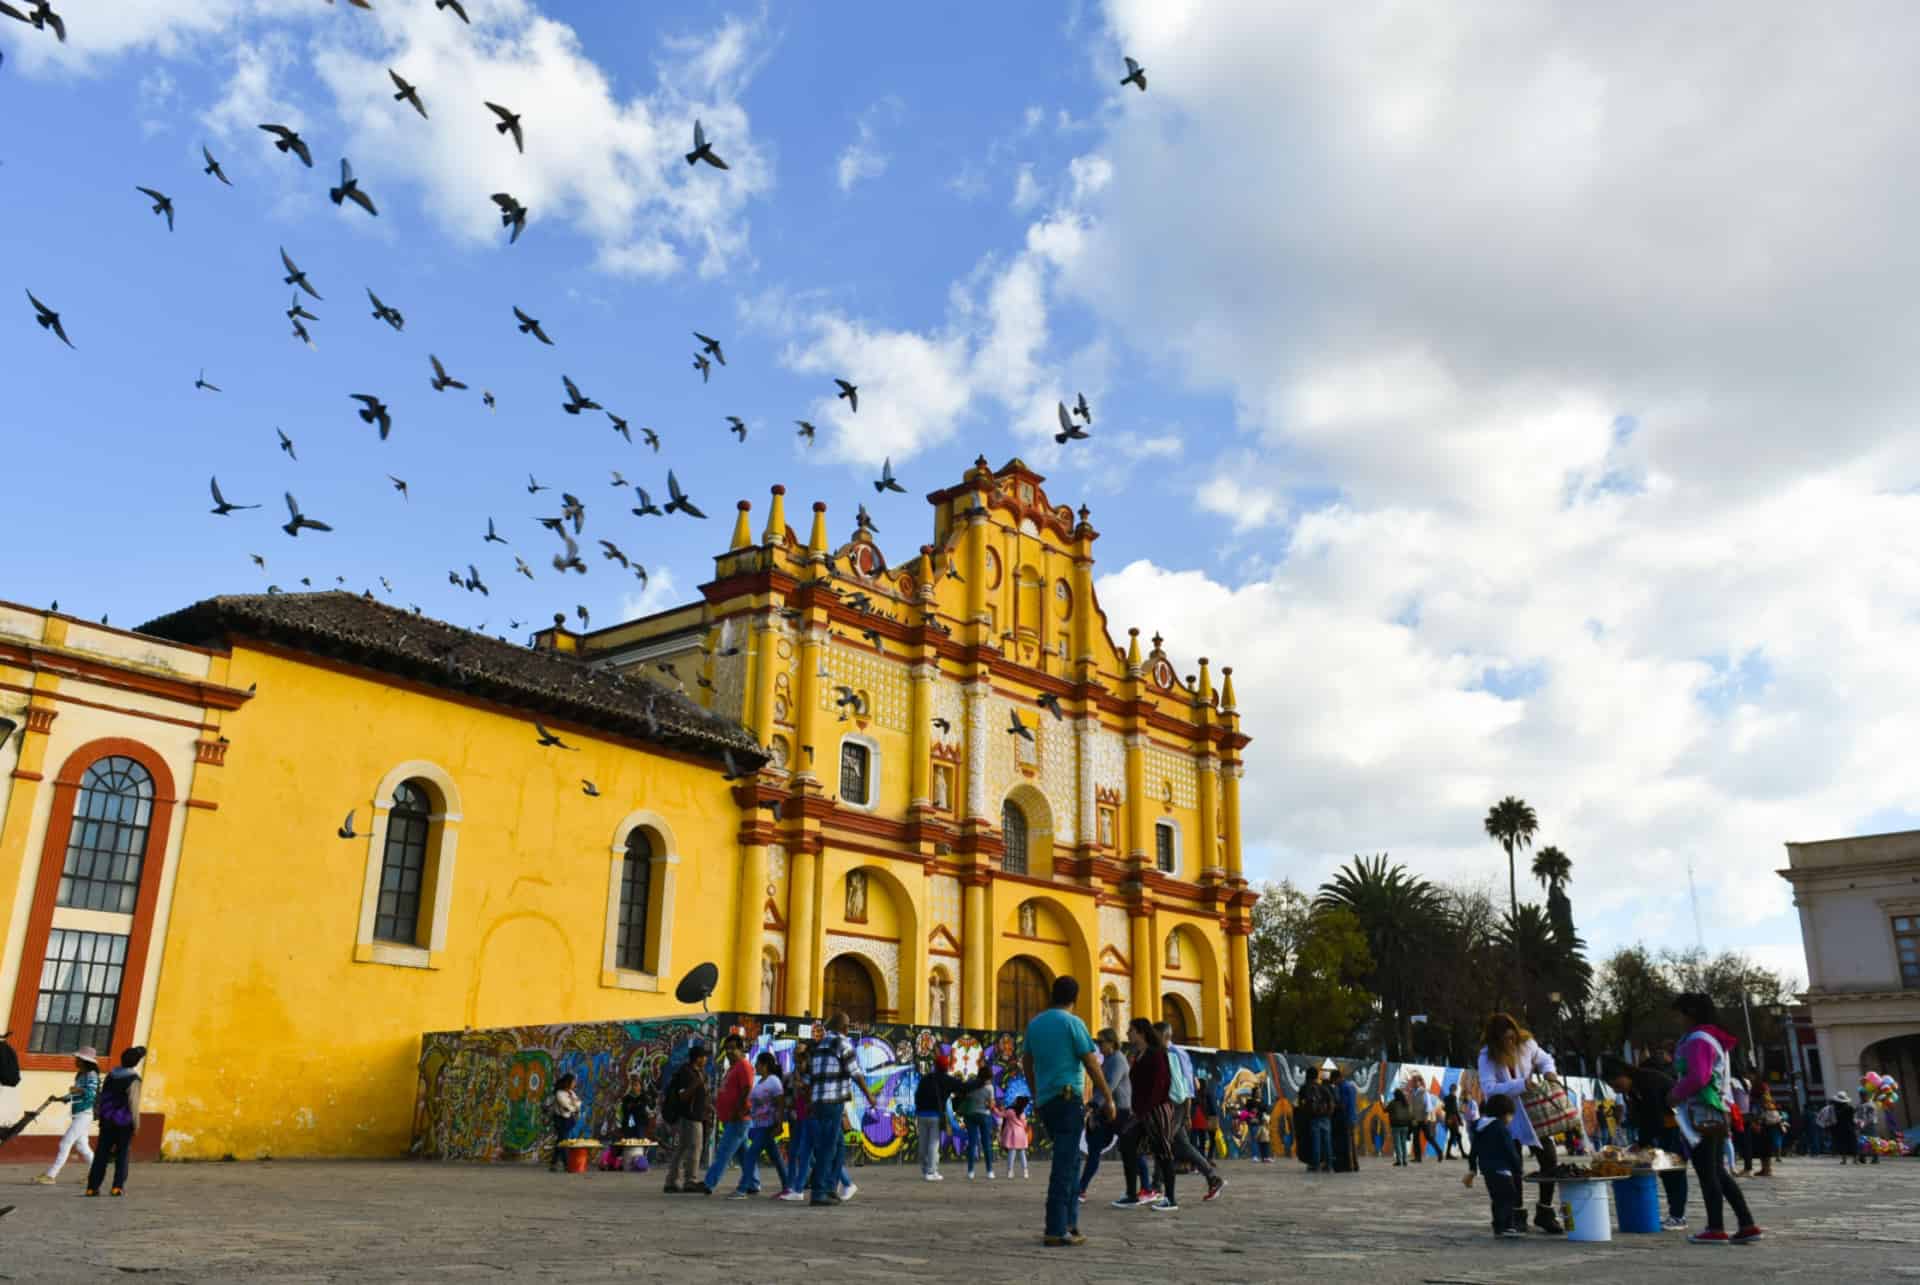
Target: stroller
[[7, 1131]]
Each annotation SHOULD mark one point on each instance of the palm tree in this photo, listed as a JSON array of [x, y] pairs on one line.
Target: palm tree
[[1399, 913], [1553, 868], [1550, 960], [1511, 824]]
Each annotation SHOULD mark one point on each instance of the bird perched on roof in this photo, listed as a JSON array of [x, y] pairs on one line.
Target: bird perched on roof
[[886, 481], [201, 382], [48, 319], [383, 313], [703, 151], [738, 427], [162, 204], [407, 94], [349, 190], [1051, 703], [530, 326], [288, 141], [850, 392], [711, 346], [213, 167], [509, 124], [298, 521], [295, 277], [806, 430], [576, 400], [1018, 728], [1136, 75], [373, 410], [512, 214], [861, 602], [646, 508], [441, 379], [863, 520], [1069, 431], [677, 500], [221, 507]]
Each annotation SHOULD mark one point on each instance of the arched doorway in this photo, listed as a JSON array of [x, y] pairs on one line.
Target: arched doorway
[[1024, 991], [849, 989], [1900, 1058], [1177, 1013]]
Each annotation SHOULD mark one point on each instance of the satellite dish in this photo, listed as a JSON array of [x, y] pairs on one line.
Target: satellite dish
[[697, 985]]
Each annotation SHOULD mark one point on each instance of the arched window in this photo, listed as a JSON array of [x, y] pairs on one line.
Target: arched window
[[849, 989], [636, 889], [108, 843], [403, 865], [1166, 846], [856, 773], [1013, 830], [1023, 993]]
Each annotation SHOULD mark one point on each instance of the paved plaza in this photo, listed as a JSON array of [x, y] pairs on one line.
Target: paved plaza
[[291, 1221]]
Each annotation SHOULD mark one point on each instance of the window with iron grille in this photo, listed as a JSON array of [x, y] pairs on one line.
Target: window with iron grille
[[79, 991], [855, 760], [403, 866], [1906, 946], [1013, 830], [109, 840], [1163, 846], [636, 890]]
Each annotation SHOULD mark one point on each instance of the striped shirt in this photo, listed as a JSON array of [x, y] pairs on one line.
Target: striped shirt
[[833, 1060]]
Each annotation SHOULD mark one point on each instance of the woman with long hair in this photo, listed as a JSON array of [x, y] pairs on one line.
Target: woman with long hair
[[1160, 1117], [1509, 1058]]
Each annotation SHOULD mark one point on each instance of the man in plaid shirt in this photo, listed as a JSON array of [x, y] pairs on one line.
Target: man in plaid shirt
[[834, 1064]]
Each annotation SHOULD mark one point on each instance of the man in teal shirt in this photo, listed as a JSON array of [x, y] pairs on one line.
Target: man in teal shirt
[[1058, 1049]]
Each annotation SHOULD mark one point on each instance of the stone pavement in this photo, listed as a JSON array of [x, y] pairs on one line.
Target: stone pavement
[[320, 1221]]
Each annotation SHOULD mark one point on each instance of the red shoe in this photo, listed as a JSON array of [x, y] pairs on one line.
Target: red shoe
[[1746, 1236], [1709, 1237]]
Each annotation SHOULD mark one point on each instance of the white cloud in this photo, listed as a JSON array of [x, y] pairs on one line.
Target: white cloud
[[1245, 506], [1027, 191], [660, 594], [862, 158]]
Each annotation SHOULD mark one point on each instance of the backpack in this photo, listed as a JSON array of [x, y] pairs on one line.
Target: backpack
[[1826, 1117], [113, 1106], [670, 1100], [1179, 1086], [1319, 1099]]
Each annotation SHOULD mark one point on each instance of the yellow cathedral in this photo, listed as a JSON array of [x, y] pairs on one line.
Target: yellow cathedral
[[276, 837]]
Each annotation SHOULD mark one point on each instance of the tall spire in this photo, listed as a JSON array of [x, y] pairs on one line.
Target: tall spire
[[817, 547], [1133, 651], [1227, 702], [776, 532], [742, 529]]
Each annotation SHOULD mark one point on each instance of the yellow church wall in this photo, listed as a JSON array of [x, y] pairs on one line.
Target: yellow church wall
[[271, 1037]]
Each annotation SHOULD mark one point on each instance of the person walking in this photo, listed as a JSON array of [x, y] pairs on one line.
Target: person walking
[[79, 1100], [1450, 1116], [1644, 1090], [1321, 1104], [834, 1064], [930, 1099], [731, 1109], [1059, 1059], [1846, 1142], [1101, 1132], [683, 1109], [1420, 1108], [1509, 1059], [1400, 1120], [1153, 1071], [799, 1136], [1701, 1098], [976, 1117], [763, 1123], [1764, 1125], [118, 1107], [1346, 1123], [1181, 1068]]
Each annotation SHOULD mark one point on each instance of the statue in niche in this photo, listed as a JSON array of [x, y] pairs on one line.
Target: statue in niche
[[1173, 950], [1106, 827], [938, 991], [1029, 920], [768, 975], [940, 789], [1110, 1009], [857, 897]]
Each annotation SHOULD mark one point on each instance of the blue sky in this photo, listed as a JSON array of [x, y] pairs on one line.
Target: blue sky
[[1451, 376]]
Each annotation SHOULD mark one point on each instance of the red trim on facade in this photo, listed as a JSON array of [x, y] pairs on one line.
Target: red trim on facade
[[66, 698], [187, 691], [53, 855], [39, 717], [40, 1148], [21, 774]]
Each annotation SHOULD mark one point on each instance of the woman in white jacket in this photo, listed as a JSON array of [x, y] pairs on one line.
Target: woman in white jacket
[[1509, 1057]]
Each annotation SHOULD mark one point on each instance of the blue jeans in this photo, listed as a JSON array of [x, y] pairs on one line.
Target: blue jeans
[[829, 1146], [1321, 1130], [799, 1152], [927, 1129], [980, 1139], [760, 1139], [733, 1136], [1065, 1119]]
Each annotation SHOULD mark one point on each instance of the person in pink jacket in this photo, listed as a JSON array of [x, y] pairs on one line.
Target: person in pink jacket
[[1015, 1134]]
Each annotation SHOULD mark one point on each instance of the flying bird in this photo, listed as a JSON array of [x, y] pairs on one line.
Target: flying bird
[[739, 427], [589, 789], [372, 410], [493, 536], [400, 485], [1136, 75], [459, 10], [213, 167], [640, 574], [864, 520], [806, 430], [703, 151], [647, 506], [570, 507], [201, 382], [42, 18], [946, 728], [576, 400], [288, 141], [704, 366], [571, 561], [295, 277], [407, 94], [486, 399], [48, 319], [611, 552], [512, 214], [652, 439], [221, 506], [619, 479], [1084, 411], [349, 190], [297, 310], [162, 204], [258, 561], [547, 739], [1051, 703], [1018, 728], [441, 379], [711, 346], [300, 333], [474, 583], [383, 313], [534, 486], [677, 500], [346, 828], [529, 326], [886, 481], [286, 444], [620, 427], [851, 392], [586, 618], [509, 124], [1069, 431], [298, 521], [520, 565]]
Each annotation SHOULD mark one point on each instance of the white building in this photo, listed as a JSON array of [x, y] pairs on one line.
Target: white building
[[1859, 902]]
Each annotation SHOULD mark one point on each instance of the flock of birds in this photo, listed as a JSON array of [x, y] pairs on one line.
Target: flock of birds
[[570, 522]]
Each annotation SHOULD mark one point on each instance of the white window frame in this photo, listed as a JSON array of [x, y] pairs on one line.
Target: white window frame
[[661, 889], [1173, 827], [436, 894], [874, 760]]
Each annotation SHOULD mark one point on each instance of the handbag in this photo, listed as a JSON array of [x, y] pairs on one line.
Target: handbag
[[1549, 1107]]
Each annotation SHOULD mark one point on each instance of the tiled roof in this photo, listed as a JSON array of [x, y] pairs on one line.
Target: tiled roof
[[361, 631]]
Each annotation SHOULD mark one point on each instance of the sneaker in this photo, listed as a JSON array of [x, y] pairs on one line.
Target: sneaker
[[846, 1192], [1708, 1237], [1745, 1236], [117, 1192], [1075, 1238], [792, 1197], [672, 1189], [42, 1180], [1166, 1206], [989, 1175], [1054, 1242], [1511, 1233], [740, 1195], [1674, 1224], [1128, 1202], [1148, 1195], [824, 1200], [969, 1175], [1214, 1188], [1083, 1197], [931, 1177]]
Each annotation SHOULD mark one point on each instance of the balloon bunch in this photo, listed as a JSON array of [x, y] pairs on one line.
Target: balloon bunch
[[1878, 1088]]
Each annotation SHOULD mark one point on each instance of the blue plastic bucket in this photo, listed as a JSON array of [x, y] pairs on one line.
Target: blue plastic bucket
[[1637, 1203]]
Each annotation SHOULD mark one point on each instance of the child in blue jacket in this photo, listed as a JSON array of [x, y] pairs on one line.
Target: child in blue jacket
[[1498, 1159]]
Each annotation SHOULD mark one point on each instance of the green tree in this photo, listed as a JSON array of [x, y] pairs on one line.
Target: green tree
[[1319, 1000], [1400, 914], [1554, 869], [1511, 824], [1549, 963], [1634, 998]]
